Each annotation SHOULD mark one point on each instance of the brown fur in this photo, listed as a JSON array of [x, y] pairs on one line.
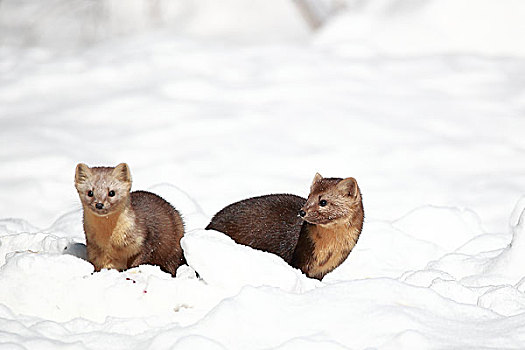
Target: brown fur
[[131, 228], [269, 223], [316, 245]]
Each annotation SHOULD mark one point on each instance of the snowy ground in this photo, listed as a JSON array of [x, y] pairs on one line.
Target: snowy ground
[[429, 123]]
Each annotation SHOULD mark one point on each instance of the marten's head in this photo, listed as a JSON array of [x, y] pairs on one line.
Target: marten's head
[[103, 189], [331, 200]]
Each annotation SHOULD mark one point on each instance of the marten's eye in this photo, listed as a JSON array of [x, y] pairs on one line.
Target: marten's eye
[[111, 193], [90, 193], [323, 203]]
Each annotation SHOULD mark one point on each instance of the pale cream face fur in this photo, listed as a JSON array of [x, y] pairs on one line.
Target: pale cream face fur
[[105, 186], [331, 200]]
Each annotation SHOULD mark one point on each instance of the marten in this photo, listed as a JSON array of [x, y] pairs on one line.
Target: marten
[[314, 235], [126, 229]]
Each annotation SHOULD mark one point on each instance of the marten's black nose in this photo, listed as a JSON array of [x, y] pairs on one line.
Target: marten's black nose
[[302, 213], [99, 205]]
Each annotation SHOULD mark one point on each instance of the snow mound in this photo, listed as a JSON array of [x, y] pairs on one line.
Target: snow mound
[[493, 279], [222, 262], [29, 242], [511, 262]]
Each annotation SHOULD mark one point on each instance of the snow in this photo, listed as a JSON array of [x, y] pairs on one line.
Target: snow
[[66, 24], [401, 28], [419, 102]]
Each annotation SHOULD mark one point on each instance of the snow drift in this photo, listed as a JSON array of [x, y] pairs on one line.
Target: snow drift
[[273, 304]]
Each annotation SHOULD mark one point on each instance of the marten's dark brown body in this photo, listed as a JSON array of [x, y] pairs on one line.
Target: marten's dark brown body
[[332, 220], [124, 229], [270, 223]]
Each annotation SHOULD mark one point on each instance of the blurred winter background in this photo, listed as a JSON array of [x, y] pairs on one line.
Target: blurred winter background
[[210, 102]]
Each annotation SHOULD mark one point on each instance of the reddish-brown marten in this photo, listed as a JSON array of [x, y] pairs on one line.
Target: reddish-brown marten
[[126, 229], [315, 234]]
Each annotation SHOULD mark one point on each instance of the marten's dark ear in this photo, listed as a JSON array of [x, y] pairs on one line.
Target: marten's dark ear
[[316, 179], [348, 186], [82, 173], [122, 173]]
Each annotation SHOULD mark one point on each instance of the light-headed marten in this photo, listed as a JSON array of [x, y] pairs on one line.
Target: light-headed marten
[[125, 229], [333, 215], [315, 235]]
